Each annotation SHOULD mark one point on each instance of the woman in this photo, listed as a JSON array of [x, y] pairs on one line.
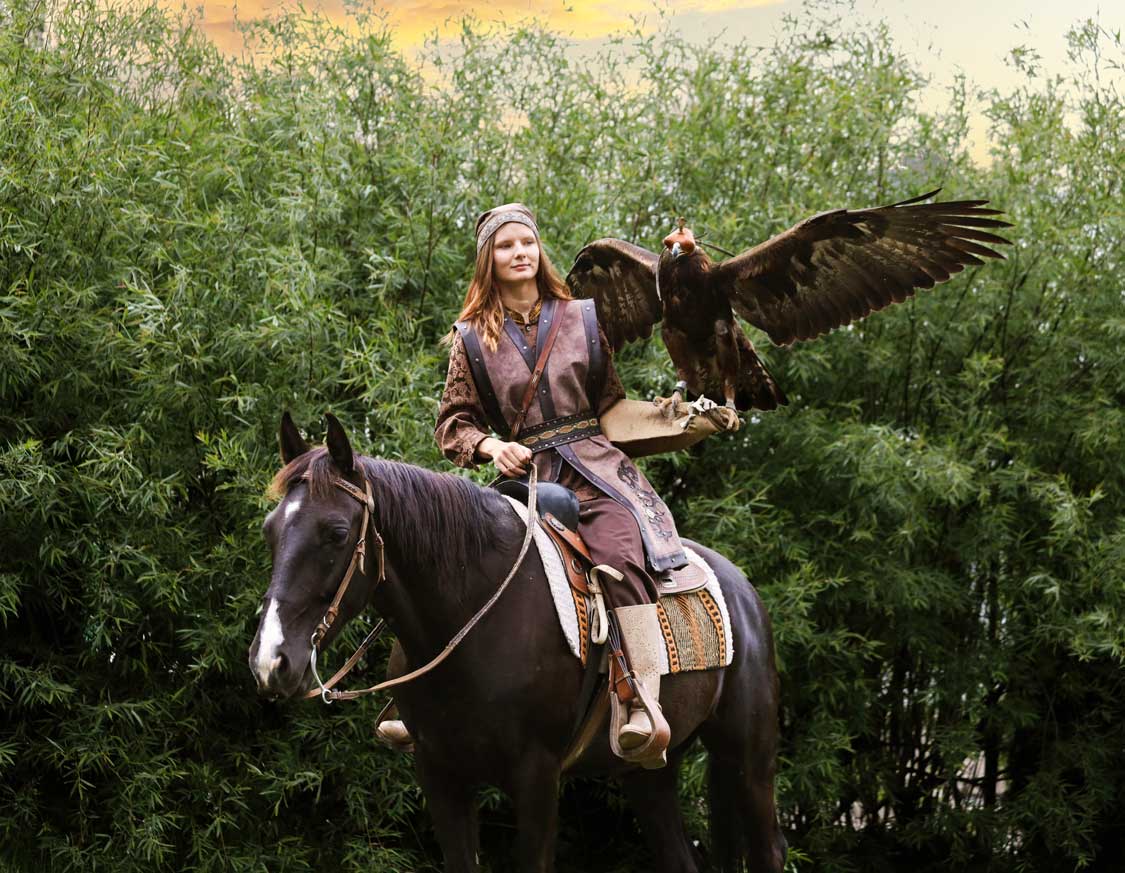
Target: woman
[[514, 297]]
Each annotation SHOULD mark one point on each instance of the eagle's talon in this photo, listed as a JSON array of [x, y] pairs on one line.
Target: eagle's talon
[[668, 405], [731, 420]]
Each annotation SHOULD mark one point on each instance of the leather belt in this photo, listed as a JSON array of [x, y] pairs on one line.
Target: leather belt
[[560, 431]]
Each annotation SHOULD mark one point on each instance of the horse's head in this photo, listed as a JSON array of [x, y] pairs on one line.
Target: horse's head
[[312, 534]]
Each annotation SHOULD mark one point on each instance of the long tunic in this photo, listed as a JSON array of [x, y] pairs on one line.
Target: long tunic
[[624, 522]]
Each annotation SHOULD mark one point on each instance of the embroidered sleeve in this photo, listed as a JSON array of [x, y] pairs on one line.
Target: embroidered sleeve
[[612, 390], [460, 422]]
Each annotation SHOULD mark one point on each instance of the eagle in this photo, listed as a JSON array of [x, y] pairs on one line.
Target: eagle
[[825, 272]]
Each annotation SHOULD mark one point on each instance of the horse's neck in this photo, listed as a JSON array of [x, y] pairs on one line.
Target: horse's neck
[[425, 606]]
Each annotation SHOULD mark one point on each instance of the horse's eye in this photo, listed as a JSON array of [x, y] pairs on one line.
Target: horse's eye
[[338, 534]]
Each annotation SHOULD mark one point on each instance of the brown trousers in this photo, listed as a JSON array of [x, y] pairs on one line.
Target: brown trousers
[[613, 537]]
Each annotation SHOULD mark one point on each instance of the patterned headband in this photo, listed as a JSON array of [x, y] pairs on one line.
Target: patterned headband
[[495, 221]]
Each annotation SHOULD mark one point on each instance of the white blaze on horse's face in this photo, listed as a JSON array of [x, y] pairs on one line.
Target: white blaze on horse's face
[[270, 641], [271, 649]]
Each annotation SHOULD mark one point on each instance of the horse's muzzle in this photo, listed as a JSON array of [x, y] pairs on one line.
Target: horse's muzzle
[[277, 679]]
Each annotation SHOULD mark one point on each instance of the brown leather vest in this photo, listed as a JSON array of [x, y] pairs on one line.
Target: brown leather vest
[[562, 414]]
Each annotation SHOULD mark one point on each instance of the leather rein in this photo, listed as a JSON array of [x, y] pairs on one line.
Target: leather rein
[[325, 689], [367, 500]]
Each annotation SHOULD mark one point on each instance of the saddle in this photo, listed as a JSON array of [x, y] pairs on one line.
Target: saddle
[[558, 516], [695, 627]]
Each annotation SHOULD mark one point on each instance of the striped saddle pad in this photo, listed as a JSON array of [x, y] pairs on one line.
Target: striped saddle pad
[[696, 625]]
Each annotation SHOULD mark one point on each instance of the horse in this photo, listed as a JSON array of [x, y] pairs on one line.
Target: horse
[[502, 708]]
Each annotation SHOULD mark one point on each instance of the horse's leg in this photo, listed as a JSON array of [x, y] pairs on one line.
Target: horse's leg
[[535, 794], [744, 826], [453, 809], [655, 800], [742, 739]]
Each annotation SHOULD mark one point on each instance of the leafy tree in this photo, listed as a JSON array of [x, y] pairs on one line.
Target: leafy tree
[[190, 244]]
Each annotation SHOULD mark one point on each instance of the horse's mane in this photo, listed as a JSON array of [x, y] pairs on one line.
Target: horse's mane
[[443, 521]]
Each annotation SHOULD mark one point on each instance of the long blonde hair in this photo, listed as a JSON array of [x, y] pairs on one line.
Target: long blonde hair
[[483, 308]]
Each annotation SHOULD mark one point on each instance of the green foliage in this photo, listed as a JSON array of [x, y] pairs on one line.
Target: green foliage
[[191, 244]]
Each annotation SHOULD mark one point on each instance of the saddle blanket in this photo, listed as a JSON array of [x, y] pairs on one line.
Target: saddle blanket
[[696, 625]]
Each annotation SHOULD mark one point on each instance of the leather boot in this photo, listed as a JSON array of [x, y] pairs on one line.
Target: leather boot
[[644, 644], [636, 731], [393, 733]]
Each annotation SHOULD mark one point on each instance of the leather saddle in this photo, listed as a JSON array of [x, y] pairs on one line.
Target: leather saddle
[[552, 498], [558, 516]]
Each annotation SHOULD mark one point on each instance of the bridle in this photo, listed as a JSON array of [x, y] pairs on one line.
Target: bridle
[[367, 500], [359, 553]]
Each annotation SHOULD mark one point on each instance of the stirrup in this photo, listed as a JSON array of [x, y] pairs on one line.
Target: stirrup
[[643, 728], [636, 731], [393, 734]]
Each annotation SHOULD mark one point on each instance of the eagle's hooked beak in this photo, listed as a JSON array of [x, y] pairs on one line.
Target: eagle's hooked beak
[[680, 242]]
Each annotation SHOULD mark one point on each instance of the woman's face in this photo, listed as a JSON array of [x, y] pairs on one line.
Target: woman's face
[[515, 254]]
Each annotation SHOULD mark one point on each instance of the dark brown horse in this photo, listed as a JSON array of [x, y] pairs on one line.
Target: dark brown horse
[[501, 709]]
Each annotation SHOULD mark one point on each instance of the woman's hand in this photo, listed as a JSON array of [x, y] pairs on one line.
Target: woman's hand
[[511, 459]]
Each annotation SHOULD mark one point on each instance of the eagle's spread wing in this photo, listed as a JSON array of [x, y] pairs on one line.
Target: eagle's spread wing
[[840, 266], [621, 277]]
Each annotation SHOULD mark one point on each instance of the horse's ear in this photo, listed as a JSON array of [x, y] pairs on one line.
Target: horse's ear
[[338, 446], [290, 440]]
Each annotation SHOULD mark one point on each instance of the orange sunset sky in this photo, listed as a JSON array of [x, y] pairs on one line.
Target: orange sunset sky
[[944, 38], [967, 34]]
